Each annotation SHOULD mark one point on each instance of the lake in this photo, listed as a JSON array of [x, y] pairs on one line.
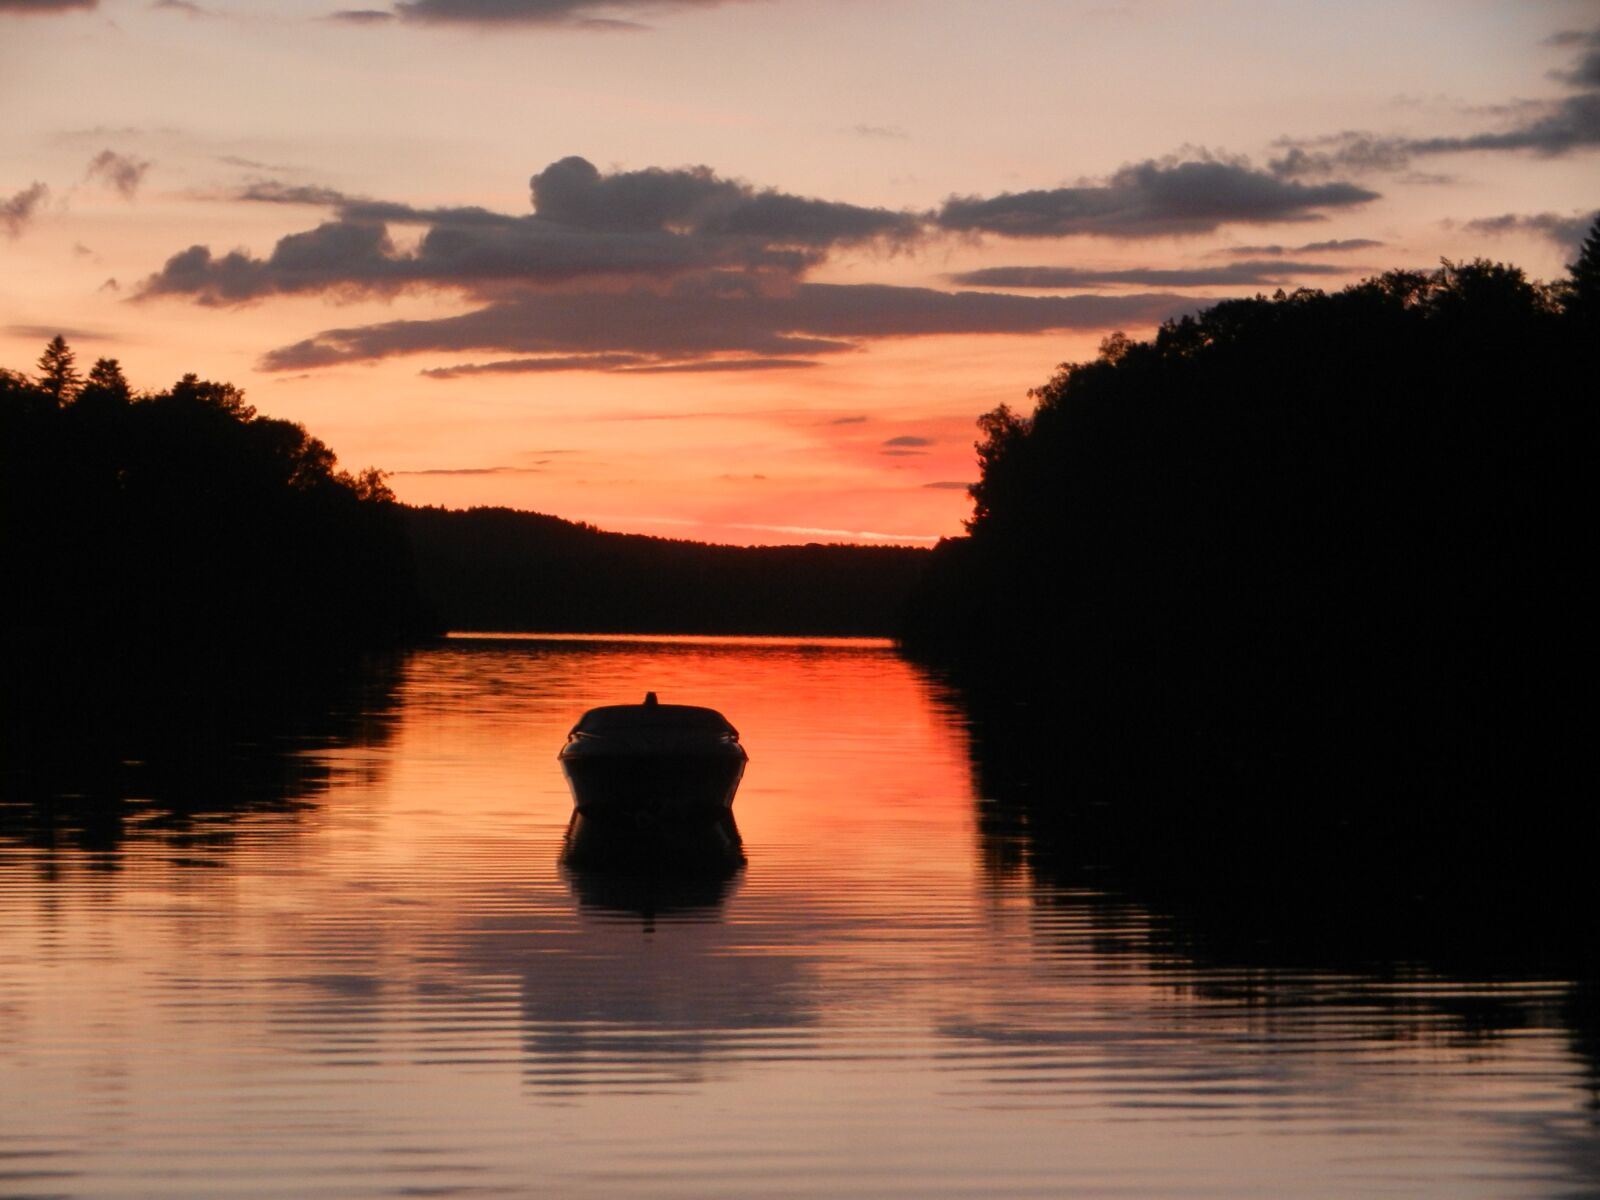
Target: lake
[[329, 950]]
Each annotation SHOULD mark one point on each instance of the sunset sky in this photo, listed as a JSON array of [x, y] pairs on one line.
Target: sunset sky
[[742, 271]]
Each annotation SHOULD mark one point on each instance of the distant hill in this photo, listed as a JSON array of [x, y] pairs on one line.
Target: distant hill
[[501, 569]]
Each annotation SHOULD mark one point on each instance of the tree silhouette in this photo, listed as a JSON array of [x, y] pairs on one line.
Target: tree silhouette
[[1583, 292], [1329, 536], [57, 376], [172, 523], [106, 385], [222, 397]]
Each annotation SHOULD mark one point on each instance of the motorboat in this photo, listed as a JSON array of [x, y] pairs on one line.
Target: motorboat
[[669, 767]]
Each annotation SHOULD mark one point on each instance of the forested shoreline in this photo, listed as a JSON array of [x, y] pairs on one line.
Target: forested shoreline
[[182, 524], [1301, 584]]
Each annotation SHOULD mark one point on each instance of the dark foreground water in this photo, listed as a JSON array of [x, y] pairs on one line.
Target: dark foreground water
[[332, 953]]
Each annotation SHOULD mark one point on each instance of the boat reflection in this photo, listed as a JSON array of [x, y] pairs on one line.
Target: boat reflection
[[651, 896], [615, 868], [705, 847]]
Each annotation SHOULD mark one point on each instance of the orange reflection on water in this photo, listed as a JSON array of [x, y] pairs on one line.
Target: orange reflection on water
[[813, 714]]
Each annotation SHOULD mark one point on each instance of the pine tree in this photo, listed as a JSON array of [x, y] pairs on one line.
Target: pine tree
[[1583, 287], [57, 378], [106, 384]]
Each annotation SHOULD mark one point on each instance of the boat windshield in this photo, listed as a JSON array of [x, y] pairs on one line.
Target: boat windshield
[[675, 718]]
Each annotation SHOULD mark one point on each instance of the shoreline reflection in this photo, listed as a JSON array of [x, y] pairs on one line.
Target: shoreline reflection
[[1319, 921], [175, 750]]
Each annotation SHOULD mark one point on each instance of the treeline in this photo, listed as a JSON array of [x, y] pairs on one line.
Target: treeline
[[1329, 547], [165, 525], [180, 523], [499, 569]]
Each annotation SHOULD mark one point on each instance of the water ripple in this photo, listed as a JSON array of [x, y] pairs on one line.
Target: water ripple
[[368, 975]]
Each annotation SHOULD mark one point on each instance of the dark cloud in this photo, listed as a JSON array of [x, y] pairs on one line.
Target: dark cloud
[[1566, 230], [1246, 272], [1348, 151], [695, 200], [18, 210], [880, 310], [1427, 178], [330, 256], [362, 16], [693, 322], [352, 208], [649, 271], [907, 439], [1335, 246], [848, 421], [121, 172], [359, 256], [46, 332], [950, 485], [713, 365], [272, 191], [365, 209], [251, 164], [181, 6], [525, 366], [44, 7], [892, 133], [1568, 124], [1586, 72], [1550, 128], [1150, 199], [653, 224], [626, 364], [584, 14]]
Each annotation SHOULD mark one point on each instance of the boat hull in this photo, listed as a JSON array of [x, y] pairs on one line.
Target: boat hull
[[642, 790]]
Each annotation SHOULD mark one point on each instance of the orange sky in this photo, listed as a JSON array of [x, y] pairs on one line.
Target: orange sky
[[738, 300]]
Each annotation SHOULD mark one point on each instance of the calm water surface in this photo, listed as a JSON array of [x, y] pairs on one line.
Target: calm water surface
[[344, 961]]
